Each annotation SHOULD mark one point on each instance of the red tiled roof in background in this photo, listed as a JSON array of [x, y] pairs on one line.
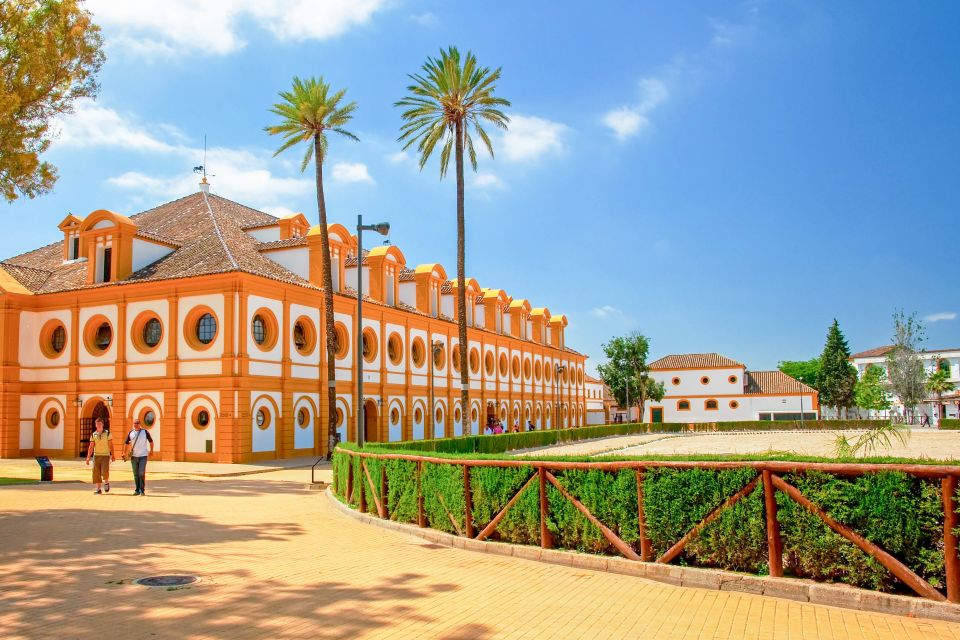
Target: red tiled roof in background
[[693, 361], [774, 382]]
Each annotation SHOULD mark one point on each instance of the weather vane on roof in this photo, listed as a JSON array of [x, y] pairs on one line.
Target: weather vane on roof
[[202, 169]]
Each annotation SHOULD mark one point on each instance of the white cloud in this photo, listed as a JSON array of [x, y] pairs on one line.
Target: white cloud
[[280, 211], [425, 19], [529, 138], [400, 157], [94, 126], [606, 312], [629, 120], [351, 172], [937, 317], [487, 181], [180, 27]]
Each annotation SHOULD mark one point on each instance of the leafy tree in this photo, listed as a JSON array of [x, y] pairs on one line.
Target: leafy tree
[[870, 392], [806, 371], [938, 384], [837, 377], [307, 112], [50, 53], [451, 96], [904, 366], [626, 371]]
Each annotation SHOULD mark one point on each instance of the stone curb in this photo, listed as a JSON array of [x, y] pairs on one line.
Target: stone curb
[[834, 595]]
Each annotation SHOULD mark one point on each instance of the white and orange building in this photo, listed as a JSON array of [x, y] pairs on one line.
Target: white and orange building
[[202, 317], [709, 387]]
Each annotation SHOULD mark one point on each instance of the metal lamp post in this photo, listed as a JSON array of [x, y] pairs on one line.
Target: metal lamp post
[[382, 228]]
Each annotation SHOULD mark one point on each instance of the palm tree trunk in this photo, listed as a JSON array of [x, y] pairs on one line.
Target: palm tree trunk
[[327, 305], [461, 290]]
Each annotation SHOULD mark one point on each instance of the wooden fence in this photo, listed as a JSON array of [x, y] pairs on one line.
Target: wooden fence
[[767, 474]]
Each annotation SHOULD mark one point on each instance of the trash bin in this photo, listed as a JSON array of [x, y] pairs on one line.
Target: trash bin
[[46, 469]]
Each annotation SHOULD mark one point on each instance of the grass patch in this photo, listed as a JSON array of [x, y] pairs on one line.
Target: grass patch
[[4, 481]]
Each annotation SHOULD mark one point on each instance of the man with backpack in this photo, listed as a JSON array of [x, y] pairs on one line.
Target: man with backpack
[[138, 446]]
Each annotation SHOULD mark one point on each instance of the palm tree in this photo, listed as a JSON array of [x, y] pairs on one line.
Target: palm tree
[[449, 97], [307, 112], [938, 384]]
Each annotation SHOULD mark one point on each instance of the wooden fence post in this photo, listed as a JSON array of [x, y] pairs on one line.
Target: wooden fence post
[[545, 541], [468, 502], [350, 481], [646, 549], [774, 542], [363, 491], [950, 523], [384, 512], [421, 515]]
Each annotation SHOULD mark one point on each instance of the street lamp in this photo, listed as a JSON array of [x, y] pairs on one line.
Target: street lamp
[[558, 370], [436, 348], [382, 228]]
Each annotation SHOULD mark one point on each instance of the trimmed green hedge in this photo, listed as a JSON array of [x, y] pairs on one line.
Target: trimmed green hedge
[[532, 439], [900, 513], [950, 424]]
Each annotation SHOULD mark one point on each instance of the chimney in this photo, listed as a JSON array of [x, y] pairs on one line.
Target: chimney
[[204, 185]]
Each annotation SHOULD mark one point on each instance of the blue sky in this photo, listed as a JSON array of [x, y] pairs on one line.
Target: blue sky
[[722, 177]]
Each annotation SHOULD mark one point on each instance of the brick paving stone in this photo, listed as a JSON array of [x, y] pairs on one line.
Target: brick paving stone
[[279, 561]]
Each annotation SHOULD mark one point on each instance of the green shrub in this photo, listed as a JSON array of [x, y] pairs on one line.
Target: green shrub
[[900, 513], [951, 424]]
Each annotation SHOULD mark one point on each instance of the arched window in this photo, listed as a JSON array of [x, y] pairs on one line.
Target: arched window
[[683, 405], [710, 404]]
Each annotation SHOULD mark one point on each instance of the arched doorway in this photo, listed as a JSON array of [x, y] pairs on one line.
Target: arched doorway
[[371, 421], [86, 425]]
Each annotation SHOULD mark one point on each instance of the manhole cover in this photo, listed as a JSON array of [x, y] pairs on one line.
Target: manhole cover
[[166, 581]]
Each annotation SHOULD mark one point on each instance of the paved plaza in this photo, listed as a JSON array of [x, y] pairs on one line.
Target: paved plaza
[[278, 561]]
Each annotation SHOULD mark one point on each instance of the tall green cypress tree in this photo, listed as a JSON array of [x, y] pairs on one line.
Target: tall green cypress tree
[[837, 377]]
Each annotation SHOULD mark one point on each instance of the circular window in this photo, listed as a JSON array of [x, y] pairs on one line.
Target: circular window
[[474, 414], [394, 348], [148, 418], [705, 380], [503, 413], [538, 413], [566, 374], [303, 418], [341, 341], [488, 363], [152, 332], [548, 372], [579, 377], [503, 364], [52, 418], [734, 404], [418, 415], [394, 416], [98, 335], [201, 418], [369, 344], [339, 417], [455, 358], [474, 361], [526, 413], [417, 352], [146, 332], [515, 367], [516, 413], [264, 330], [526, 369], [200, 328], [439, 355], [537, 371], [53, 338], [304, 336], [732, 379], [675, 381], [263, 418], [456, 414], [438, 415]]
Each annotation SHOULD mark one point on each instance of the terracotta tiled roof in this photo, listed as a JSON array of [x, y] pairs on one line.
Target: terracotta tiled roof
[[874, 353], [446, 288], [27, 276], [774, 382], [406, 275], [282, 244], [206, 231], [351, 261], [693, 361]]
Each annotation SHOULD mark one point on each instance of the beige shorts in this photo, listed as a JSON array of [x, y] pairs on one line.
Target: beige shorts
[[101, 469]]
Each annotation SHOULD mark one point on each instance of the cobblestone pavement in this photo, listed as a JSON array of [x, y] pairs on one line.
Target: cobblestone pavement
[[944, 445], [277, 561]]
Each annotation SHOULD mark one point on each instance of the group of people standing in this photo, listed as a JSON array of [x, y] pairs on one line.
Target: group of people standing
[[137, 448], [496, 427]]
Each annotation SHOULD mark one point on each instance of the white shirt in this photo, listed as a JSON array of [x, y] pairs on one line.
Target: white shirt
[[141, 442]]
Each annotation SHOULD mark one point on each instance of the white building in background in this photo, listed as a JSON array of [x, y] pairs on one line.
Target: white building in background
[[948, 359], [595, 393], [709, 387]]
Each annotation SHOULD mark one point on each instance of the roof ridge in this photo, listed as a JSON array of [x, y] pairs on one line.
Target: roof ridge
[[216, 229]]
